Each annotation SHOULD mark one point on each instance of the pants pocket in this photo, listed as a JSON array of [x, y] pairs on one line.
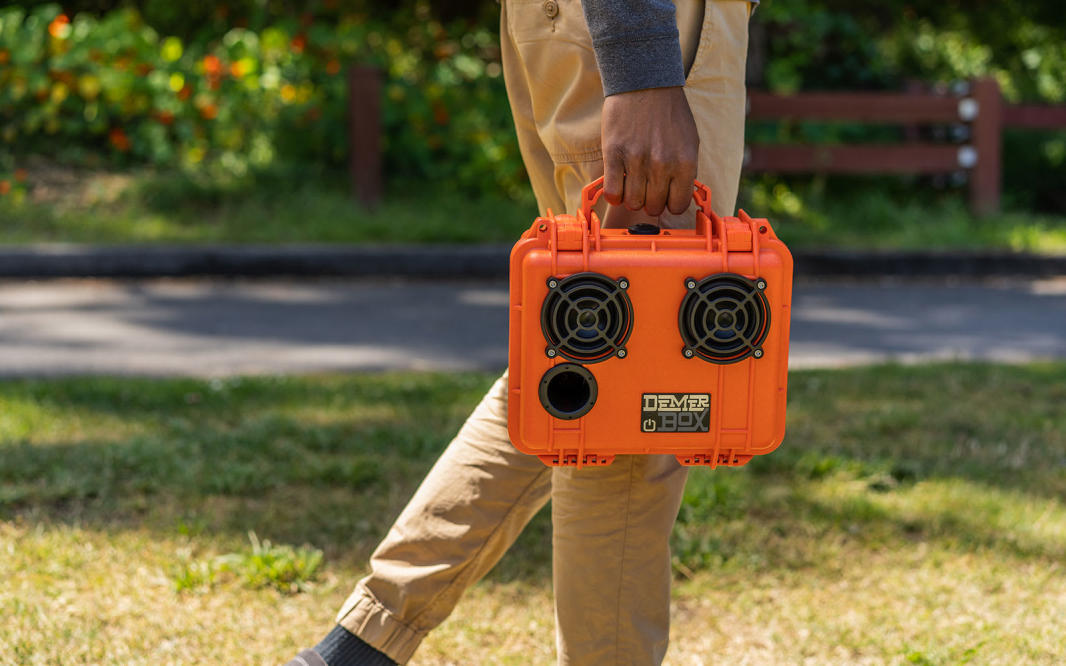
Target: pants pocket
[[723, 40]]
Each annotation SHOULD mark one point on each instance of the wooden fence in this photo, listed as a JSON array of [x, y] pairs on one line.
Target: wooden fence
[[979, 106]]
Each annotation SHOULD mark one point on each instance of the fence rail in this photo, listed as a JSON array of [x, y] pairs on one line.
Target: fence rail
[[910, 158], [1035, 116], [860, 107], [979, 106]]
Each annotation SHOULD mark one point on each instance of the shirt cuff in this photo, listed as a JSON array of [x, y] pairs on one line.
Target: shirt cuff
[[652, 62]]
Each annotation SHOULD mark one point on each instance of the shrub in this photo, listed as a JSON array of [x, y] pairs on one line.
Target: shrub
[[84, 87]]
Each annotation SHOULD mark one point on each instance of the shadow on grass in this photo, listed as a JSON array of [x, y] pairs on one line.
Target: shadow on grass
[[328, 461], [331, 461]]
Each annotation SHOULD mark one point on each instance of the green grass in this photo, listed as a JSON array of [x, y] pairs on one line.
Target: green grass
[[882, 215], [913, 515], [284, 207], [300, 207]]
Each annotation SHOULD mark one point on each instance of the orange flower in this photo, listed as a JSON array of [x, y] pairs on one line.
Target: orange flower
[[298, 43], [333, 67], [4, 56], [118, 139], [20, 175], [164, 117], [212, 65], [58, 27], [5, 187], [209, 111], [185, 91], [236, 70], [440, 114]]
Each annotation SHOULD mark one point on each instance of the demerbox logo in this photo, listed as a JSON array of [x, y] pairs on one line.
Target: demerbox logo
[[675, 412]]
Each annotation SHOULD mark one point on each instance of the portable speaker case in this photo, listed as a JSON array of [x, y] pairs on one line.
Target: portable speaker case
[[699, 368]]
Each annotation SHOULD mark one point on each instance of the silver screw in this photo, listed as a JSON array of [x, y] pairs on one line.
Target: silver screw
[[760, 285], [689, 353], [758, 353], [551, 353], [623, 284], [691, 284], [621, 353], [552, 284]]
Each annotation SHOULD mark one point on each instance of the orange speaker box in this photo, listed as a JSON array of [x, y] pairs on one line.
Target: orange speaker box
[[641, 340]]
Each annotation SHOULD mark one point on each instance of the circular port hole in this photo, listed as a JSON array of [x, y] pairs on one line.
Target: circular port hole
[[568, 391]]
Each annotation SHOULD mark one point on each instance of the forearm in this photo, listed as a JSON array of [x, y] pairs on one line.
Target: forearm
[[636, 44]]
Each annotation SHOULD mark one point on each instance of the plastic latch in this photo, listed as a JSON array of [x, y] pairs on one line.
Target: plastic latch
[[569, 232], [738, 235]]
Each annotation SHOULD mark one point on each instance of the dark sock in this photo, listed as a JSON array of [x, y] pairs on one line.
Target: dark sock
[[341, 647]]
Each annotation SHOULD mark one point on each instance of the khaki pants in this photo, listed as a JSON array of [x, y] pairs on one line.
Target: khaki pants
[[610, 525]]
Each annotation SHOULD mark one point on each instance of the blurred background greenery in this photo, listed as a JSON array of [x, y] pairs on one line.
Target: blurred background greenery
[[244, 101]]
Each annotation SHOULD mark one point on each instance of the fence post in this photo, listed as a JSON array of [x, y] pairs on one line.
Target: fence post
[[985, 179], [364, 133]]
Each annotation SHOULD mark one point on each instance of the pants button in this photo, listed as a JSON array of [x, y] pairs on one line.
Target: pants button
[[551, 8]]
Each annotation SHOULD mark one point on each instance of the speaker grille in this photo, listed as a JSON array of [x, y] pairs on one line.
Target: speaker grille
[[587, 317], [724, 318]]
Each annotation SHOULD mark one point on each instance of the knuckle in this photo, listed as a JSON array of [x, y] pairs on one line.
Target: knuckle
[[659, 166], [636, 159]]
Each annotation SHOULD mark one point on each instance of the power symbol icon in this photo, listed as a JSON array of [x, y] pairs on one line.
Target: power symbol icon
[[649, 425]]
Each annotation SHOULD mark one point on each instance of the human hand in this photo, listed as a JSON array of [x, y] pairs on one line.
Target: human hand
[[650, 150]]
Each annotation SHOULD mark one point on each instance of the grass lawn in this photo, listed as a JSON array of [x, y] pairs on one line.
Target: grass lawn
[[297, 207], [913, 515]]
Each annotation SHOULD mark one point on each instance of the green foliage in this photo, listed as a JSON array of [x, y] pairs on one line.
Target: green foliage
[[282, 567], [235, 87], [837, 44], [203, 19], [113, 86], [810, 46], [187, 575], [826, 44]]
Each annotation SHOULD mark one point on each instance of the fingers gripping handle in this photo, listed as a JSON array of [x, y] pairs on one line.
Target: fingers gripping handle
[[592, 192]]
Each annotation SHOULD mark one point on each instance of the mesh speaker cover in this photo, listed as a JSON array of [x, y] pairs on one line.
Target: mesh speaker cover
[[724, 318], [587, 317]]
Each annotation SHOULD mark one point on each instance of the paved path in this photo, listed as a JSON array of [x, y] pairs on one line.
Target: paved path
[[161, 327]]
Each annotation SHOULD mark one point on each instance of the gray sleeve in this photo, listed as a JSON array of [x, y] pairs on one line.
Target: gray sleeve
[[636, 44]]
